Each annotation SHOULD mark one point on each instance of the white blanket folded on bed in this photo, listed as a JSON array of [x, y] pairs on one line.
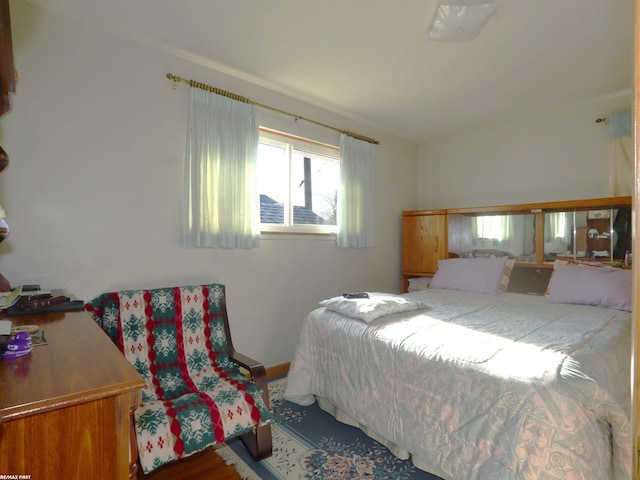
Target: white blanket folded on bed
[[376, 306]]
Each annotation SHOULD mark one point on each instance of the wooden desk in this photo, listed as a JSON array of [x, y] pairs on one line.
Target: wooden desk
[[66, 409]]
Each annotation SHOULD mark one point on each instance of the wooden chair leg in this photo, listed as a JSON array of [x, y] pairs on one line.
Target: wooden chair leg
[[259, 442]]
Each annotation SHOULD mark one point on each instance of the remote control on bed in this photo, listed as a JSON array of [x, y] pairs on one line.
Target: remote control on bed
[[356, 295]]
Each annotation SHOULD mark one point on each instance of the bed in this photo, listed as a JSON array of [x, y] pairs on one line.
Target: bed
[[481, 384]]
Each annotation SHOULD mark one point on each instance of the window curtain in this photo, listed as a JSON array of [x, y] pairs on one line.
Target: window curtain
[[492, 227], [509, 233], [356, 196], [558, 228], [620, 155], [221, 202]]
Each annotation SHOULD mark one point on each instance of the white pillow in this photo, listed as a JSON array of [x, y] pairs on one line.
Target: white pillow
[[368, 309], [479, 275]]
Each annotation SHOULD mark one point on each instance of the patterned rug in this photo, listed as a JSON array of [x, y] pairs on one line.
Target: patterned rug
[[308, 443]]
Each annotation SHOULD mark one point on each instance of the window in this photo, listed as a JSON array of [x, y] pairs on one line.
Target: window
[[298, 183], [492, 227], [558, 228]]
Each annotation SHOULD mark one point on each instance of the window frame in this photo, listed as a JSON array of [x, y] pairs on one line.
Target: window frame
[[293, 143]]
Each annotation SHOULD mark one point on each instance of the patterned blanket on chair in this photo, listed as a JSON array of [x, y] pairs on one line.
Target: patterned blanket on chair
[[195, 396]]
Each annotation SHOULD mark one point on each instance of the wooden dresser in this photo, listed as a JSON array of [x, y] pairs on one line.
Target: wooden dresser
[[66, 409]]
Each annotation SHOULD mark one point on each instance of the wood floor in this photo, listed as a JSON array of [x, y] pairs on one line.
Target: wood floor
[[206, 465]]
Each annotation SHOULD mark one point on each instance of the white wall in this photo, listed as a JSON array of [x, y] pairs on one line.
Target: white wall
[[550, 156], [93, 191]]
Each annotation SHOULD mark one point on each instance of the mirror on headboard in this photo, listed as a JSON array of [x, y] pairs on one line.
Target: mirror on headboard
[[603, 234], [539, 233], [497, 235]]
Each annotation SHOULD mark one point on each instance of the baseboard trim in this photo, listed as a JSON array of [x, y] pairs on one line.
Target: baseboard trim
[[278, 370]]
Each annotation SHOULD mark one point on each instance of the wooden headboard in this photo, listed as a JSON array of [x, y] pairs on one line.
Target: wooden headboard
[[432, 235]]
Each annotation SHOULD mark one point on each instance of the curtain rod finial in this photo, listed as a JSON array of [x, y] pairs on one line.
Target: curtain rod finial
[[171, 76]]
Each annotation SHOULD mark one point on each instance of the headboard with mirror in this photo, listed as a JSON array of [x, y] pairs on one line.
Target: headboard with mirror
[[534, 234], [597, 229]]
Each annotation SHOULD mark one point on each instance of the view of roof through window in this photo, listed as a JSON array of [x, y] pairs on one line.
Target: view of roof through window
[[297, 185]]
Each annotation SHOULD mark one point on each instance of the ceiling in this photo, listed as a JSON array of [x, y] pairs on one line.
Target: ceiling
[[371, 61]]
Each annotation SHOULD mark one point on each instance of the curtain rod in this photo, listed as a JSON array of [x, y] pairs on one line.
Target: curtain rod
[[224, 93]]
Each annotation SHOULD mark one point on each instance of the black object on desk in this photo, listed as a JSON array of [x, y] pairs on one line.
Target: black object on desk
[[67, 305]]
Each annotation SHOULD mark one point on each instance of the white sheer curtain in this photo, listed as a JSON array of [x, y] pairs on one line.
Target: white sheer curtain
[[356, 196], [497, 232], [221, 202], [493, 227], [558, 227], [621, 176]]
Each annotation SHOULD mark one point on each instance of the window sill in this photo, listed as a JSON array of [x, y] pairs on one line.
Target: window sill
[[296, 235]]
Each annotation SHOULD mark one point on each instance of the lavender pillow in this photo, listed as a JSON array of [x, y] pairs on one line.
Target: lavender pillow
[[478, 275], [602, 287]]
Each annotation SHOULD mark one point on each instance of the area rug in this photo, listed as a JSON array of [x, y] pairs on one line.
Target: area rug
[[308, 443]]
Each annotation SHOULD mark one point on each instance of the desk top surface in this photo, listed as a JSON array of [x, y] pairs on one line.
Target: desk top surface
[[79, 363]]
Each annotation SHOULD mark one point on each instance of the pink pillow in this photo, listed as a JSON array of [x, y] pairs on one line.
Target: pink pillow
[[478, 275], [602, 287]]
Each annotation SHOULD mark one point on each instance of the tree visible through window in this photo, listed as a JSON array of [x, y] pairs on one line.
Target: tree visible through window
[[298, 182]]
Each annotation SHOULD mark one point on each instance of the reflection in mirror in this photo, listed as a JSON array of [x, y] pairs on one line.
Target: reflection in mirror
[[622, 231], [564, 234], [595, 234], [493, 235]]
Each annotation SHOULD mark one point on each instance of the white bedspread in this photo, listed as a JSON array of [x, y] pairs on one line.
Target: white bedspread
[[480, 386]]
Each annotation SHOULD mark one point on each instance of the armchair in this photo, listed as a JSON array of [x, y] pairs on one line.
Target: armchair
[[179, 341]]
